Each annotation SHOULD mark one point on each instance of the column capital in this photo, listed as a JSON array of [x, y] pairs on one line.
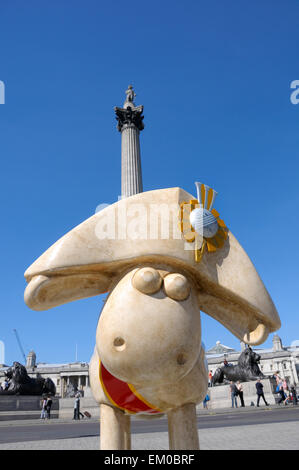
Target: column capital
[[129, 116]]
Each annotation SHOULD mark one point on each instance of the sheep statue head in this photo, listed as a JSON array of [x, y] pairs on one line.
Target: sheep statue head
[[163, 256]]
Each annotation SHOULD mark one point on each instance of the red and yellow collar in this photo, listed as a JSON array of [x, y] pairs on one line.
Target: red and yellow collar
[[123, 395]]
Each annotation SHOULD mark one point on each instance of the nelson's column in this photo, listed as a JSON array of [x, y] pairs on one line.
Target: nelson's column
[[130, 123]]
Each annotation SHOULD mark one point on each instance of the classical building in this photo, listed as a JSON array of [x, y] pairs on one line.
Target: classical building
[[76, 374], [284, 359]]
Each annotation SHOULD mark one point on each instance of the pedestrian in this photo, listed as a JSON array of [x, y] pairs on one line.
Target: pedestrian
[[260, 393], [286, 391], [294, 395], [233, 393], [288, 398], [285, 386], [225, 363], [240, 392], [278, 386], [44, 411], [210, 378], [48, 407], [281, 393], [77, 412], [277, 377], [76, 407], [205, 401]]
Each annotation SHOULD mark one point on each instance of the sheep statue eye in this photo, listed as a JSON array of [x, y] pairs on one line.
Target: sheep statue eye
[[177, 286], [147, 280]]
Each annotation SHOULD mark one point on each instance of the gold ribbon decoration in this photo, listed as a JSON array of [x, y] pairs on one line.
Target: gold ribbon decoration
[[202, 243]]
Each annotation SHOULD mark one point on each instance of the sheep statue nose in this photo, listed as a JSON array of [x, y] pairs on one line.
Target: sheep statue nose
[[149, 330]]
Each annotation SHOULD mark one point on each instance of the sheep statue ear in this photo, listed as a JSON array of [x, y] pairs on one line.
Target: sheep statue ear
[[154, 228]]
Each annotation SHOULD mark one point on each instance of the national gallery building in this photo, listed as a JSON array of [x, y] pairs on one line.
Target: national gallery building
[[63, 375], [284, 359]]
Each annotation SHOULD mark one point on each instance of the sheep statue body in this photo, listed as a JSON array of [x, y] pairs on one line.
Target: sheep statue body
[[159, 273]]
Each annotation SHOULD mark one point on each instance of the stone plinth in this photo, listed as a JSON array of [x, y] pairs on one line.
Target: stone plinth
[[220, 396], [66, 407], [29, 407], [14, 407]]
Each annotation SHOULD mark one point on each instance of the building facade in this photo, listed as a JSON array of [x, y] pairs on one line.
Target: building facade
[[74, 374]]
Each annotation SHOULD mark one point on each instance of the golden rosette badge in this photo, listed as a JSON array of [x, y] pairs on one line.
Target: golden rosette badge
[[200, 223]]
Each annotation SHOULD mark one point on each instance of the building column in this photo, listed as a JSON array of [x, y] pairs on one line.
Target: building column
[[294, 371], [62, 387]]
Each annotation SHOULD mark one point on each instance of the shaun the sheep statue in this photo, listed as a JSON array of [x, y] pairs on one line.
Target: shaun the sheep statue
[[163, 256]]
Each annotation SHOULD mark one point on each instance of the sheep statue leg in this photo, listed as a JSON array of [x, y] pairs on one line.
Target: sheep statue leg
[[182, 428], [127, 432], [115, 429]]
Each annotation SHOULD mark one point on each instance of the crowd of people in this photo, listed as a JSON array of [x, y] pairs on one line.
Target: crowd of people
[[46, 405], [287, 394]]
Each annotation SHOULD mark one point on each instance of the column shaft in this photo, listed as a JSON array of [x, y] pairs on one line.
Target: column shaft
[[131, 162]]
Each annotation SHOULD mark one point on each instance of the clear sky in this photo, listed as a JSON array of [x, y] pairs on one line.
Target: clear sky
[[214, 79]]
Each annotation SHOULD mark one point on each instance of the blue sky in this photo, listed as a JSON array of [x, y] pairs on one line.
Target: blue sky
[[214, 79]]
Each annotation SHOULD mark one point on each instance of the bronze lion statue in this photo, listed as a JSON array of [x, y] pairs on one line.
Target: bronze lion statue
[[21, 384], [247, 369]]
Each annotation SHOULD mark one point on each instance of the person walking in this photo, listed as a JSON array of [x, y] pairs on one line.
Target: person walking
[[233, 393], [44, 411], [240, 392], [77, 412], [210, 379], [260, 392], [294, 395], [76, 407], [48, 407], [277, 377], [285, 386], [205, 401], [288, 398], [281, 393], [285, 395]]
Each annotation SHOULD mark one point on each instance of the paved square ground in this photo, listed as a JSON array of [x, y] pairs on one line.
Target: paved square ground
[[274, 436]]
